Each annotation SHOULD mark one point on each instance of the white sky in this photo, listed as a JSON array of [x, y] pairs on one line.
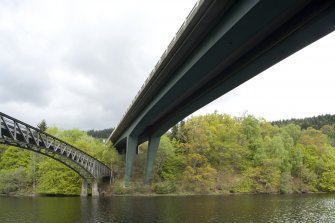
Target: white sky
[[79, 63]]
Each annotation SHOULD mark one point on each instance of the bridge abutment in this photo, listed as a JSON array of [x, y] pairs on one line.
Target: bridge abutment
[[151, 155]]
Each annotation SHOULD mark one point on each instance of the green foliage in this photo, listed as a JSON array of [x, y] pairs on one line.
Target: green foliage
[[13, 180], [3, 149], [100, 134], [113, 160], [169, 163], [57, 179], [329, 130], [203, 154], [165, 187], [242, 184], [14, 158], [251, 155], [42, 125], [327, 181], [119, 188], [315, 122]]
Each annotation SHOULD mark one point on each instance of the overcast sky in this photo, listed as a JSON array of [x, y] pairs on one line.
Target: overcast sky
[[79, 63]]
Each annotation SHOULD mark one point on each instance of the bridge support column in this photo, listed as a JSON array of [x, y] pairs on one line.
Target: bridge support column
[[151, 154], [95, 191], [130, 155], [84, 187]]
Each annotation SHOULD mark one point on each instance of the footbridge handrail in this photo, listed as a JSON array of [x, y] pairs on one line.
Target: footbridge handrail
[[17, 133]]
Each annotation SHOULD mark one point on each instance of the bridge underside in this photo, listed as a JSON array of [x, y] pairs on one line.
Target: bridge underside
[[243, 39]]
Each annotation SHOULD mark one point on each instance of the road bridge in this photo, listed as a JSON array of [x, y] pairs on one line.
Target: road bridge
[[19, 134], [221, 45]]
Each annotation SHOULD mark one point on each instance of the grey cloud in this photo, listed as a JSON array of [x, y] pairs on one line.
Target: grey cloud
[[51, 49], [23, 81]]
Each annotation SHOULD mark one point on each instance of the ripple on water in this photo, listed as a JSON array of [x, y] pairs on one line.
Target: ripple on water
[[237, 208]]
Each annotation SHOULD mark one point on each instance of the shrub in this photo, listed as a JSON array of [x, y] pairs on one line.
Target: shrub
[[120, 188], [165, 187]]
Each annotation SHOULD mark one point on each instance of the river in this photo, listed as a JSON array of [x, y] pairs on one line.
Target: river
[[234, 208]]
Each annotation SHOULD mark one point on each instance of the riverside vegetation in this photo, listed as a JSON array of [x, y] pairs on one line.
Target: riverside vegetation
[[212, 153]]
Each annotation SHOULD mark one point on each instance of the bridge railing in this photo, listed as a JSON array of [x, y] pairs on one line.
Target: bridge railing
[[164, 55], [15, 132]]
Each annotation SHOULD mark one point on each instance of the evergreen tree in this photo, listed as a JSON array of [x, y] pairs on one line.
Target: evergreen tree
[[100, 134], [42, 125]]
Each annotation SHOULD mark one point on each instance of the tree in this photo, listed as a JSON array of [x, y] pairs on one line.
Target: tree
[[329, 130], [115, 162], [57, 179], [168, 163], [3, 149], [100, 134], [42, 125]]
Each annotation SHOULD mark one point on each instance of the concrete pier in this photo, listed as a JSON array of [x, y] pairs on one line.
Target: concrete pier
[[130, 155], [84, 186], [95, 191], [151, 154]]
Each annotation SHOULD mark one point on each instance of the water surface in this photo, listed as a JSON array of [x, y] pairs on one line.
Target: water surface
[[236, 208]]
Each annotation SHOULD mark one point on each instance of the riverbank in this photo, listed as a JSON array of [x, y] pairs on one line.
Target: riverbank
[[182, 194]]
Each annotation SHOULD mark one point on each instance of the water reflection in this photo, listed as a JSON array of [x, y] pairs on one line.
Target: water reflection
[[238, 208]]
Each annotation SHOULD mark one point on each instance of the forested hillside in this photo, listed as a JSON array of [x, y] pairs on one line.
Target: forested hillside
[[206, 154], [315, 122]]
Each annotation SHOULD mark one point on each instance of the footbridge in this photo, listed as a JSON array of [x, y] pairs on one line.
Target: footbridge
[[222, 44], [19, 134]]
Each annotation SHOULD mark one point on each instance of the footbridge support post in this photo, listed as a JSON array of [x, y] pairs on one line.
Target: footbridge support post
[[151, 155], [130, 155], [84, 186], [95, 191]]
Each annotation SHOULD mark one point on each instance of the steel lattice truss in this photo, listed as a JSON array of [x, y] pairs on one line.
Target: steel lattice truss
[[16, 133]]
